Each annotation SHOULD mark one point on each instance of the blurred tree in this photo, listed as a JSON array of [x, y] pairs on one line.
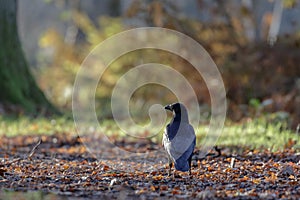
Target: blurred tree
[[17, 85]]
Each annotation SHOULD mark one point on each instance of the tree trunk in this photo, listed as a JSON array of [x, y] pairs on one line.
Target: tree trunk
[[17, 85]]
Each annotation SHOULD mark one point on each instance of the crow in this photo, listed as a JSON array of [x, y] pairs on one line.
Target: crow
[[179, 139]]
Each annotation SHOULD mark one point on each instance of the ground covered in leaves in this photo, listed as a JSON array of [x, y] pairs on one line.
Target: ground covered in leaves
[[63, 166]]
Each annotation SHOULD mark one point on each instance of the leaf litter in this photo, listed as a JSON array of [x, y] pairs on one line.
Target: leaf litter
[[62, 165]]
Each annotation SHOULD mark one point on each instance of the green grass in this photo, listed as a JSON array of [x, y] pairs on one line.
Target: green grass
[[258, 133], [253, 133], [12, 126]]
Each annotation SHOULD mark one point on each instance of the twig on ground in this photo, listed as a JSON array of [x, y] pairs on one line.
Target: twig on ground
[[29, 156], [232, 162], [32, 152], [217, 149]]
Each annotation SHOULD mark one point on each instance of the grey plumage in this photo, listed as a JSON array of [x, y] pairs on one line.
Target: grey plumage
[[179, 139]]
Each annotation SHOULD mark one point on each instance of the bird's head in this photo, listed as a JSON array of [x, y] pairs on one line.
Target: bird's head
[[179, 111]]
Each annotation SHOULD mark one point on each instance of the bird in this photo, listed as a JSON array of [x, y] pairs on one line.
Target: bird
[[179, 139]]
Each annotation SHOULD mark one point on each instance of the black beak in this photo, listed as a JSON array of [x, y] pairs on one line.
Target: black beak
[[168, 107]]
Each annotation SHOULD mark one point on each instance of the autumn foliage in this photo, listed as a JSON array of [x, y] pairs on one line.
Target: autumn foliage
[[63, 166]]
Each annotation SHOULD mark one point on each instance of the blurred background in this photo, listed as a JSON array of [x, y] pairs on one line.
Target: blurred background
[[255, 44]]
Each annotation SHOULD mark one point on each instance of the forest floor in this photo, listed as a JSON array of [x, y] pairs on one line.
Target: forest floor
[[62, 166]]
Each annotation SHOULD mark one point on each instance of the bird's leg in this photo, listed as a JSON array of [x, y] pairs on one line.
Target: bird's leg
[[174, 175], [170, 168], [190, 165]]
